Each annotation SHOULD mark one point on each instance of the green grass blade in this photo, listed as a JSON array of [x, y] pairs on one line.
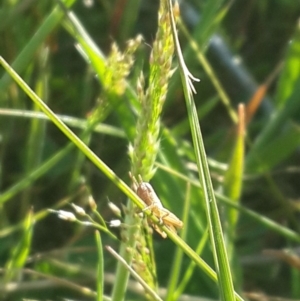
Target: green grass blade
[[20, 250], [34, 175], [26, 55], [78, 123], [147, 288], [211, 74], [190, 269], [100, 268], [211, 18], [284, 143], [287, 100], [177, 261], [291, 71], [217, 240], [234, 175], [271, 130], [268, 223]]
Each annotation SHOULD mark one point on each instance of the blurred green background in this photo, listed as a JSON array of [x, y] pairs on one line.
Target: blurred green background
[[253, 49]]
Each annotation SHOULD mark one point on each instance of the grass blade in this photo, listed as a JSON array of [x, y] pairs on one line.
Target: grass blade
[[215, 229], [27, 53], [100, 268]]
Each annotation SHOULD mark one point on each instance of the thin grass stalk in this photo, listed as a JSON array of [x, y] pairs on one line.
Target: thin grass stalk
[[292, 106], [145, 285], [232, 186], [78, 123], [217, 240], [265, 221], [23, 59], [36, 217], [190, 269], [210, 73], [20, 250], [36, 139], [177, 260], [35, 174], [100, 268]]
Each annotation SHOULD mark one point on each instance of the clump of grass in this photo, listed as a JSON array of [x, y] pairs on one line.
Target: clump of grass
[[141, 125]]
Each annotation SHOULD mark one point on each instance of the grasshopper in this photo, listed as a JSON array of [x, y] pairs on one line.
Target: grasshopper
[[145, 191]]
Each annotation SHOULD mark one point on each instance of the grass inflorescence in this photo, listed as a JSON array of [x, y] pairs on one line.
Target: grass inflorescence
[[119, 80]]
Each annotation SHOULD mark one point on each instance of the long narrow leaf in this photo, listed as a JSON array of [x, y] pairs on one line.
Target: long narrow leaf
[[215, 229], [27, 53], [100, 268]]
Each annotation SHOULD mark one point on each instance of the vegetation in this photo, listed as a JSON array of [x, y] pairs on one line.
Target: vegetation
[[92, 91]]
